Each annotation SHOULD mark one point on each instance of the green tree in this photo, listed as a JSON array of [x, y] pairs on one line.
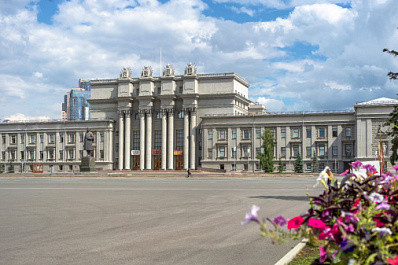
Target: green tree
[[1, 168], [280, 165], [393, 118], [267, 157], [298, 164], [314, 163]]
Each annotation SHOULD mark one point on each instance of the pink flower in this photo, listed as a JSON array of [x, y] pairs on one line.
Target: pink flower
[[295, 222], [393, 261], [323, 255], [396, 168], [370, 169], [316, 223], [279, 220], [356, 164], [345, 172], [251, 216]]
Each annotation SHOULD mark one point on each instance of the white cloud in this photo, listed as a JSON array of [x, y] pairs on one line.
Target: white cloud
[[336, 86], [23, 117], [244, 10], [272, 105]]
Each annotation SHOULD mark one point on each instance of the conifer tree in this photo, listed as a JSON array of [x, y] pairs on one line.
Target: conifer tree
[[267, 157], [298, 164]]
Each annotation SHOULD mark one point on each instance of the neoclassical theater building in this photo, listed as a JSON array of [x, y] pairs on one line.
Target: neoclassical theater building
[[196, 121]]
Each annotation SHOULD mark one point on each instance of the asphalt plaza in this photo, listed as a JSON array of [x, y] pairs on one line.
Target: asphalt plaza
[[144, 220]]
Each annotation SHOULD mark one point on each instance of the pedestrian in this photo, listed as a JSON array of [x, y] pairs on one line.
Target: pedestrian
[[188, 173]]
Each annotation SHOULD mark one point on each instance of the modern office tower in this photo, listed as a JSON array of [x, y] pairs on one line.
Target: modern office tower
[[76, 106]]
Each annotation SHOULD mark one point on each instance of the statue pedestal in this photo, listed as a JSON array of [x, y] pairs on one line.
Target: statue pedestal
[[87, 164]]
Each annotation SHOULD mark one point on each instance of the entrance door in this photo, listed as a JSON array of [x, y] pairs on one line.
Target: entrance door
[[179, 162], [157, 162], [136, 162]]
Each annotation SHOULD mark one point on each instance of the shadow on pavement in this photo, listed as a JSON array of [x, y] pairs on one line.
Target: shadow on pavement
[[288, 198]]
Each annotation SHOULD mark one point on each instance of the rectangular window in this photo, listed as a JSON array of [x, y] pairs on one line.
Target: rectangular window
[[181, 115], [102, 154], [222, 151], [283, 151], [158, 140], [13, 139], [61, 154], [308, 166], [210, 135], [159, 115], [41, 138], [41, 155], [348, 150], [179, 139], [233, 152], [71, 138], [258, 133], [51, 138], [31, 154], [200, 145], [348, 132], [233, 133], [321, 132], [283, 133], [12, 155], [32, 139], [102, 137], [136, 140], [296, 133], [308, 150], [81, 152], [246, 151], [3, 155], [51, 154], [22, 139], [222, 135], [22, 155], [71, 154], [137, 116], [61, 138], [334, 131], [258, 150], [308, 133], [246, 134], [81, 137], [334, 150], [295, 150], [322, 150]]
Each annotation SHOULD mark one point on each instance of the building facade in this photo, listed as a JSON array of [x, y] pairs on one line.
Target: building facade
[[76, 106]]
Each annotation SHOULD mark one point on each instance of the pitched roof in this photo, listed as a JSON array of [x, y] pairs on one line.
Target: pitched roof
[[378, 101]]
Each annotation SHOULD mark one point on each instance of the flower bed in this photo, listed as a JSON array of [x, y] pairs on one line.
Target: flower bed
[[353, 222]]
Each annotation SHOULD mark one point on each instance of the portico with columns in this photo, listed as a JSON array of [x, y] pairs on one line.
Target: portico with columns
[[158, 118]]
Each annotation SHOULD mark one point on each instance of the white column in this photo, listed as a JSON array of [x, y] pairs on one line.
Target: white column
[[121, 140], [186, 138], [142, 139], [127, 141], [170, 146], [164, 139], [149, 139], [193, 139]]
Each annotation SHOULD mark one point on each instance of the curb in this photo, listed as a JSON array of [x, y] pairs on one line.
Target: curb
[[292, 253]]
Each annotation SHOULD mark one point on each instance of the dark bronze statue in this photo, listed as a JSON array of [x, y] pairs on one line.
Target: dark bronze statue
[[88, 143]]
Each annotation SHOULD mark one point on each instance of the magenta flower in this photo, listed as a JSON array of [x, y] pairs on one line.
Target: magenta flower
[[251, 216], [323, 255], [356, 164], [396, 168], [383, 206], [370, 169], [279, 220], [345, 172], [316, 223], [295, 222]]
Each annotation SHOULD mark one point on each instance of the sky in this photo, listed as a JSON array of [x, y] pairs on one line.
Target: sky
[[297, 55]]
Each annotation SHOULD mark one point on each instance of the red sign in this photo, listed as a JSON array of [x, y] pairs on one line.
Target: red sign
[[156, 152], [135, 152]]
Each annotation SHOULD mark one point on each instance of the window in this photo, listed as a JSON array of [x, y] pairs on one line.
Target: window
[[32, 139], [51, 154], [246, 134], [308, 166], [22, 139], [246, 167], [136, 140], [348, 132], [22, 155], [334, 131], [308, 150], [321, 132], [200, 145], [159, 90], [71, 167], [102, 137], [348, 150], [258, 150], [283, 151], [12, 155], [283, 133], [102, 154], [180, 114], [258, 133], [71, 154], [210, 153], [221, 166], [13, 139], [295, 150], [3, 155], [41, 138], [334, 150], [71, 138], [81, 137], [41, 155], [61, 167], [322, 150], [81, 153], [222, 135], [200, 131], [61, 154], [233, 133], [31, 154], [296, 133], [61, 138], [233, 166], [179, 139], [233, 152], [3, 139], [210, 135], [51, 138], [308, 133], [159, 115], [222, 151], [158, 140], [137, 116], [246, 151]]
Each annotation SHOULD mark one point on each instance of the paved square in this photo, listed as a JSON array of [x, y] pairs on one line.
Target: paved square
[[137, 220]]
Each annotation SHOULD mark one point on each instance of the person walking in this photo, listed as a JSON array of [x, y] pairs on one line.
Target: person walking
[[188, 173]]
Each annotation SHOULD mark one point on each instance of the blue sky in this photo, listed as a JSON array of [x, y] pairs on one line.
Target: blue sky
[[297, 55]]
